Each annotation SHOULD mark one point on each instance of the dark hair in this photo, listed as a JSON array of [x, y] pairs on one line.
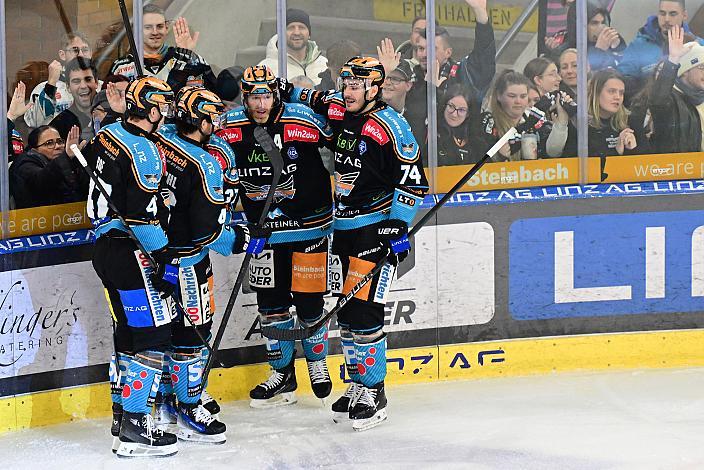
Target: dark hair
[[152, 8], [536, 67], [440, 32], [598, 10], [80, 63], [341, 51], [454, 90], [33, 137], [114, 79], [184, 128], [681, 2]]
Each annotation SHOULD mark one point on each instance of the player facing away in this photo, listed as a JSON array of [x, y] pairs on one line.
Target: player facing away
[[292, 270], [379, 185], [194, 181], [130, 168]]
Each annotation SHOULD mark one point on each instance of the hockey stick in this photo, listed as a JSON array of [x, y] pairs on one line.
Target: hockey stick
[[130, 38], [82, 160], [277, 166], [307, 332]]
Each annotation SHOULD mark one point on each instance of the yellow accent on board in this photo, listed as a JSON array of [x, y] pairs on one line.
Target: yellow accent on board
[[518, 357]]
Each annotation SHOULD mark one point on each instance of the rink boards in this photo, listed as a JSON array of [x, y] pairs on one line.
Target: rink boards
[[511, 282]]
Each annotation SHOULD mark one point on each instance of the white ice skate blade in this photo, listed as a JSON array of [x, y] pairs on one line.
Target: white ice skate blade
[[134, 449], [191, 435], [282, 399], [340, 417], [364, 424]]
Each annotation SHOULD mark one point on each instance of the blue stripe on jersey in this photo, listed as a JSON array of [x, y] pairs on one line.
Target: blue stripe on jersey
[[359, 221], [304, 113], [146, 160], [152, 237], [289, 236], [405, 206], [405, 144]]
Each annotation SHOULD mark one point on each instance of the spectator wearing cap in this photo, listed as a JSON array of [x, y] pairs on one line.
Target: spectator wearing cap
[[677, 99], [304, 56], [228, 86], [338, 54], [397, 84], [650, 44]]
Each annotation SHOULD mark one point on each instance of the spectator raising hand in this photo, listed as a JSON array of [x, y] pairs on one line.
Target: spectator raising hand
[[182, 35], [74, 138], [479, 9], [676, 46], [18, 106], [388, 56], [116, 98]]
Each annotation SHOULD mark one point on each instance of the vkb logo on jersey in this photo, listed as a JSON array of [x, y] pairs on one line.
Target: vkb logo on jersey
[[362, 147], [292, 153]]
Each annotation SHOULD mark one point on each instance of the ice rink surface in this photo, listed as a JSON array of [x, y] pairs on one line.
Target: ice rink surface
[[621, 420]]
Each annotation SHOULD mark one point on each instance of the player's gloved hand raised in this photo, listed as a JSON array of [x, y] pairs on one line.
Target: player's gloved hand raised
[[285, 88], [393, 233], [249, 238], [164, 276]]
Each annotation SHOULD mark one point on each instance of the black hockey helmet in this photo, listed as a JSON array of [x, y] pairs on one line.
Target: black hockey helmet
[[195, 103], [145, 93]]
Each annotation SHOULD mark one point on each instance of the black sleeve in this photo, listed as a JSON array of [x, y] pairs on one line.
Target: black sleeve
[[10, 149], [189, 64], [64, 122], [479, 67], [660, 96], [56, 176]]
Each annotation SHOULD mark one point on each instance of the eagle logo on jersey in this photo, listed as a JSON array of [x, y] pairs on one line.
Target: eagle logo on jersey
[[344, 184], [283, 191], [152, 178]]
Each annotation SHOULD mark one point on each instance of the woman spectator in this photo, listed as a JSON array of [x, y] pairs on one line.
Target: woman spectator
[[45, 174], [568, 72], [458, 140], [544, 75]]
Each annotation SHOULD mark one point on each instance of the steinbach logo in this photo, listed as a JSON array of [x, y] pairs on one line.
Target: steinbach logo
[[300, 133], [373, 130], [231, 135], [336, 112]]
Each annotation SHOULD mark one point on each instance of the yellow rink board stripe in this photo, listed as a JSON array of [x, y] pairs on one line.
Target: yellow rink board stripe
[[619, 351]]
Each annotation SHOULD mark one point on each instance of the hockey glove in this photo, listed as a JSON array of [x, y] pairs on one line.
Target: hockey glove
[[249, 239], [393, 233], [164, 276], [285, 89]]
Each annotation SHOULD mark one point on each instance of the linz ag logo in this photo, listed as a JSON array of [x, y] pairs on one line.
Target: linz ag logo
[[373, 130], [336, 112], [299, 133], [231, 135]]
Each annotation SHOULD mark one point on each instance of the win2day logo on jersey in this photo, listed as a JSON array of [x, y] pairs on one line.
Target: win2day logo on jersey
[[601, 265]]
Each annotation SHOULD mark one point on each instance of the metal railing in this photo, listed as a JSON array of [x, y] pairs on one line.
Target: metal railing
[[516, 28]]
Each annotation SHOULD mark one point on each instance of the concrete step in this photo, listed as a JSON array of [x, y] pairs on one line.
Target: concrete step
[[360, 9]]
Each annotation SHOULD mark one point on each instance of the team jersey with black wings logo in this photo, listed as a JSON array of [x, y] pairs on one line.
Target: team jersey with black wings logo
[[302, 207], [378, 172]]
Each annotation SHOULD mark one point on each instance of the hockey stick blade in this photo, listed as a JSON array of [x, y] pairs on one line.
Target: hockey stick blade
[[82, 160], [307, 332], [277, 165]]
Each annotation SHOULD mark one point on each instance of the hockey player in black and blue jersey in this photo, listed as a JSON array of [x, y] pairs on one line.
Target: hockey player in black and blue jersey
[[293, 269], [379, 185], [130, 168], [197, 225]]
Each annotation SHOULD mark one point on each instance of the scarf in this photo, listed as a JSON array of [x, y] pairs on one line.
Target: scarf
[[694, 96]]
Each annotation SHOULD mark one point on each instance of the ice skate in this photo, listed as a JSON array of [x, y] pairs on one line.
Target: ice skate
[[139, 437], [196, 424], [341, 408], [209, 403], [319, 378], [115, 426], [277, 390], [369, 410], [165, 411]]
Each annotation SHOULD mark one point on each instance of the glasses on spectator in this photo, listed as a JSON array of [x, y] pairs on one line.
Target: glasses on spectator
[[161, 27], [396, 80], [78, 50], [52, 143], [553, 74], [454, 109]]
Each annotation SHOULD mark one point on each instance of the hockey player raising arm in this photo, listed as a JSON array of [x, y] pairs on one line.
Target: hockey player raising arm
[[130, 168], [379, 185], [194, 180], [293, 269]]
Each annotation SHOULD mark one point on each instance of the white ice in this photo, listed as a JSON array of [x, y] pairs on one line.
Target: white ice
[[620, 420]]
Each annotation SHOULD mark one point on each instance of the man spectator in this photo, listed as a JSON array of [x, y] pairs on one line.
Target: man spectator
[[338, 54], [650, 44], [52, 96], [82, 84], [397, 84], [605, 46], [304, 57], [407, 48], [178, 66], [677, 98]]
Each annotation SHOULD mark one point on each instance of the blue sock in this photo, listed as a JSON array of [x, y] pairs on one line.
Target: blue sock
[[165, 386], [371, 361], [350, 354], [316, 347], [118, 374], [142, 382], [186, 374], [279, 353]]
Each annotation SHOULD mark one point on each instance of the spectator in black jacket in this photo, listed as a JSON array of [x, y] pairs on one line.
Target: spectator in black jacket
[[81, 77], [459, 142], [676, 100], [46, 173]]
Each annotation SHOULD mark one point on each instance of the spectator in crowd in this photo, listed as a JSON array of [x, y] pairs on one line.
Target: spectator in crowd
[[407, 48], [107, 106], [51, 97], [81, 76], [304, 57], [552, 25], [544, 75], [677, 98], [568, 72], [650, 44], [458, 139], [533, 95], [338, 54], [46, 174], [228, 86], [396, 86], [178, 66], [605, 46], [15, 110]]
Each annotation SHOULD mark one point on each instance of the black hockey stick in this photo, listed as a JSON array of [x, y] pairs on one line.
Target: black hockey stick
[[307, 332], [277, 166], [82, 160], [130, 38]]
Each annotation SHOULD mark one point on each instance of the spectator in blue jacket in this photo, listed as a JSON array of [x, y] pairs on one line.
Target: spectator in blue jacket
[[650, 44]]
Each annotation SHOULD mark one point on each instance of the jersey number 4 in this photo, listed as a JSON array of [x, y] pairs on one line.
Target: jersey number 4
[[410, 171]]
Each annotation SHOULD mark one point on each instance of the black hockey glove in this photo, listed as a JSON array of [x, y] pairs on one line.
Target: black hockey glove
[[164, 276], [285, 89], [393, 234], [249, 239]]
